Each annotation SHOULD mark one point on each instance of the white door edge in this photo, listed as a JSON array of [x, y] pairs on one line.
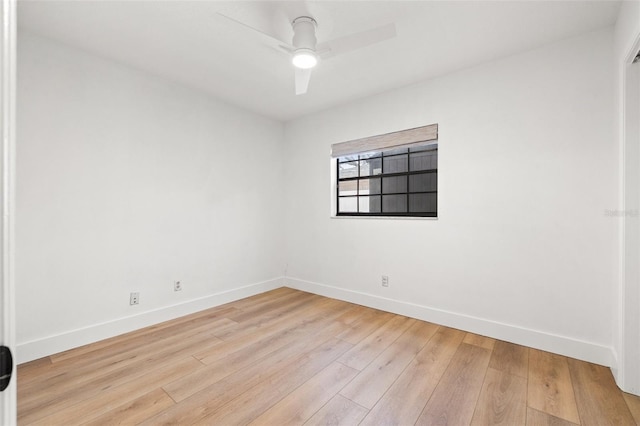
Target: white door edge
[[8, 410]]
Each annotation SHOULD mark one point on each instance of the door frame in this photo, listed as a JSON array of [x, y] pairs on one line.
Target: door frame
[[8, 398], [628, 374]]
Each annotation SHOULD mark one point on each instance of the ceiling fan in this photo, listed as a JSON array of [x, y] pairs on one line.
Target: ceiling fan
[[305, 51]]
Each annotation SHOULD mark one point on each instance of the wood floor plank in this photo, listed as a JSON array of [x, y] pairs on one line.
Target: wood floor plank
[[36, 363], [454, 399], [482, 341], [539, 418], [243, 338], [135, 411], [269, 306], [369, 322], [109, 361], [90, 385], [242, 358], [298, 406], [277, 315], [510, 358], [103, 364], [356, 313], [34, 369], [633, 402], [550, 386], [339, 411], [379, 375], [502, 401], [258, 320], [406, 398], [77, 412], [598, 398], [369, 348], [252, 403], [212, 398]]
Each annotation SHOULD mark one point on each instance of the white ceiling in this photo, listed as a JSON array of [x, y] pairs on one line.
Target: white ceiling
[[189, 43]]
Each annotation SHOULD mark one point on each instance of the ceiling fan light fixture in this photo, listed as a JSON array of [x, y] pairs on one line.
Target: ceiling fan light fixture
[[304, 58]]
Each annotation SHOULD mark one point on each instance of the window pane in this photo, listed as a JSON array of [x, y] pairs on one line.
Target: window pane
[[347, 170], [396, 164], [424, 160], [371, 166], [369, 186], [370, 155], [396, 151], [348, 158], [347, 204], [394, 184], [394, 203], [423, 182], [423, 203], [370, 204], [348, 187], [430, 147]]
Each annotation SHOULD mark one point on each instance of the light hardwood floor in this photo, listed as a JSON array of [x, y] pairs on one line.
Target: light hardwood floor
[[289, 357]]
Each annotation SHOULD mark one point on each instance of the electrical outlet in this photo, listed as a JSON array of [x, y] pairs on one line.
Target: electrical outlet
[[134, 298], [177, 286], [385, 281]]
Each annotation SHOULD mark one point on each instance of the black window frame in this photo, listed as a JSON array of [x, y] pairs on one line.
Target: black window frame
[[388, 153]]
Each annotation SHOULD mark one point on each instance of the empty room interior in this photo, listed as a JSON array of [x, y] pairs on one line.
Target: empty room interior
[[324, 212]]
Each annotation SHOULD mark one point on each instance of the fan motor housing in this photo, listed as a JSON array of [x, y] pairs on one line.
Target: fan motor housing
[[304, 33]]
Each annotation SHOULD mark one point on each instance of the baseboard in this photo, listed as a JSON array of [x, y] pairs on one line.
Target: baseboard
[[574, 348], [615, 369], [562, 345], [39, 348]]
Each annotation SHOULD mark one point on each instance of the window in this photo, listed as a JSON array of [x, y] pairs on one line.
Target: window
[[388, 180]]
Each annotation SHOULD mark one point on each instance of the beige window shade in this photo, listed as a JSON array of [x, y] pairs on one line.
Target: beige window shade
[[386, 141]]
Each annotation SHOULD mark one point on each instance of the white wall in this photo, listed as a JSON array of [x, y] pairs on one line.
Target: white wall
[[627, 301], [522, 249], [127, 182]]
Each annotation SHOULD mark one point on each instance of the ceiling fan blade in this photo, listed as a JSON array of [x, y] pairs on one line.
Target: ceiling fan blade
[[267, 38], [302, 80], [356, 41]]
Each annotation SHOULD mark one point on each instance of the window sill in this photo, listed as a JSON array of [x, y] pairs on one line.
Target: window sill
[[384, 217]]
